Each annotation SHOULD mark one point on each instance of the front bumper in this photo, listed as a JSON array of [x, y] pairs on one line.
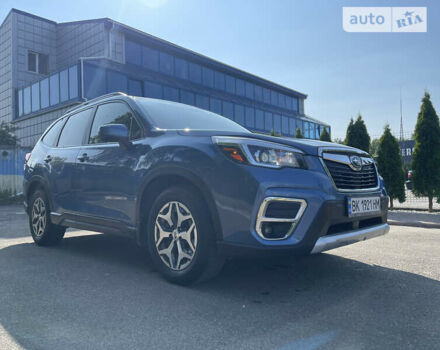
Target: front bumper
[[339, 240]]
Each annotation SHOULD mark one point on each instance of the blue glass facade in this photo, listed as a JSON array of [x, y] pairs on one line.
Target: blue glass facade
[[152, 72], [57, 89]]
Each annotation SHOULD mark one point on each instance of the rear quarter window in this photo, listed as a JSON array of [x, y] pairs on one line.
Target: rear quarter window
[[75, 129], [51, 137]]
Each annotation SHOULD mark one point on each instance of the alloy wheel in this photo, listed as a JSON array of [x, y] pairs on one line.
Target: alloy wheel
[[175, 235], [39, 217]]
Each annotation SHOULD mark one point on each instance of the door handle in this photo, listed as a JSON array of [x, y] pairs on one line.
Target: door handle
[[83, 158], [48, 158]]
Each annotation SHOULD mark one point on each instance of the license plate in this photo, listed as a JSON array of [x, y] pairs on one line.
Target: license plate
[[363, 205]]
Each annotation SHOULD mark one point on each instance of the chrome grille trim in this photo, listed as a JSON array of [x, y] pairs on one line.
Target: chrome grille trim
[[261, 216], [360, 178]]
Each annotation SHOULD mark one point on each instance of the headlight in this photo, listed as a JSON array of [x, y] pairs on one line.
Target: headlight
[[259, 152]]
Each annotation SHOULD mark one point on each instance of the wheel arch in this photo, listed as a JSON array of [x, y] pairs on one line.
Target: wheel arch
[[35, 183], [159, 181]]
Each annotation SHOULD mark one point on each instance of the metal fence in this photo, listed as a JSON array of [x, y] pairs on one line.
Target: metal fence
[[415, 203], [11, 168]]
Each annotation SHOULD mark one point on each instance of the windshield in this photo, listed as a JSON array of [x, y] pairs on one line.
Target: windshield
[[177, 116]]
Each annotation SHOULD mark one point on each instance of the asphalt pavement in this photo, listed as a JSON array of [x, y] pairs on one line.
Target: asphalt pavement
[[97, 291]]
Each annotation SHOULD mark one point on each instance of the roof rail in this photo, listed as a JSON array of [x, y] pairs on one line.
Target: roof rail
[[85, 103]]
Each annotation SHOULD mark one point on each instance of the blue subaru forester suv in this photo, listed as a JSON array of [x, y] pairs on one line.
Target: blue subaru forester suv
[[194, 187]]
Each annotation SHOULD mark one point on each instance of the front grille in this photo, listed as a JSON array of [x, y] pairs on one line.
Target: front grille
[[345, 178]]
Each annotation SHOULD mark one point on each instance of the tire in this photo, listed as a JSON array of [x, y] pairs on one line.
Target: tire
[[181, 238], [43, 231]]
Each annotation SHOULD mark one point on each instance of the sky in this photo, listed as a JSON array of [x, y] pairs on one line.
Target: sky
[[298, 44]]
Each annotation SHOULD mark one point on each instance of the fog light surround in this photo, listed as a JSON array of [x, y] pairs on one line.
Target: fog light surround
[[263, 225]]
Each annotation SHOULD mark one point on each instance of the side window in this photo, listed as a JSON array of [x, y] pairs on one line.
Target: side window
[[51, 136], [75, 128], [114, 113]]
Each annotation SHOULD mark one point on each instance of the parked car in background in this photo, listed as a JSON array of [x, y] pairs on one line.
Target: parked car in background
[[408, 182], [194, 187]]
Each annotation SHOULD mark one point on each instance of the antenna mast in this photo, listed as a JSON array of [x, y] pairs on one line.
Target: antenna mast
[[401, 117]]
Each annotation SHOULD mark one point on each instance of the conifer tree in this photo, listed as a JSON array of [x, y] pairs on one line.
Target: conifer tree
[[298, 134], [389, 161], [357, 134], [325, 136], [426, 156]]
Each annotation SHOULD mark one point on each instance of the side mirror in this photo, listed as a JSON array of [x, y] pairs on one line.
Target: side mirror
[[114, 133]]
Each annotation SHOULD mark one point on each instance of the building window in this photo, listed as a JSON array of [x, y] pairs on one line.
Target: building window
[[318, 129], [64, 85], [170, 94], [195, 73], [285, 125], [295, 104], [215, 105], [268, 121], [274, 98], [115, 82], [266, 95], [38, 62], [258, 93], [250, 120], [166, 63], [27, 100], [181, 68], [239, 114], [35, 89], [240, 87], [219, 80], [134, 87], [54, 93], [292, 126], [202, 101], [152, 90], [20, 103], [73, 82], [44, 93], [249, 90], [277, 123], [133, 53], [259, 119], [187, 97], [230, 84], [281, 101], [150, 58], [228, 110], [208, 77]]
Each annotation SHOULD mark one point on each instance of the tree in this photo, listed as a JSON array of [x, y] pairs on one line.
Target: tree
[[357, 134], [7, 137], [325, 136], [273, 133], [338, 140], [298, 134], [389, 161], [426, 156], [374, 147]]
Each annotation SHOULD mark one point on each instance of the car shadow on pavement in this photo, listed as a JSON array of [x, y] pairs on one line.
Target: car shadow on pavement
[[99, 291]]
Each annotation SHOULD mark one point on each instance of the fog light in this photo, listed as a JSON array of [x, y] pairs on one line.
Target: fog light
[[267, 229], [277, 230]]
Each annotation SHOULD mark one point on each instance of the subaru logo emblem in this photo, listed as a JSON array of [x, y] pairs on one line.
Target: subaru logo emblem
[[356, 162]]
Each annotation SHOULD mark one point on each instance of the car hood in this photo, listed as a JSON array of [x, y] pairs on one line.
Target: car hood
[[310, 147]]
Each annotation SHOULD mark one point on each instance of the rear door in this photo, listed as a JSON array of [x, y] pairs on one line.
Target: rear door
[[107, 172], [61, 162]]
